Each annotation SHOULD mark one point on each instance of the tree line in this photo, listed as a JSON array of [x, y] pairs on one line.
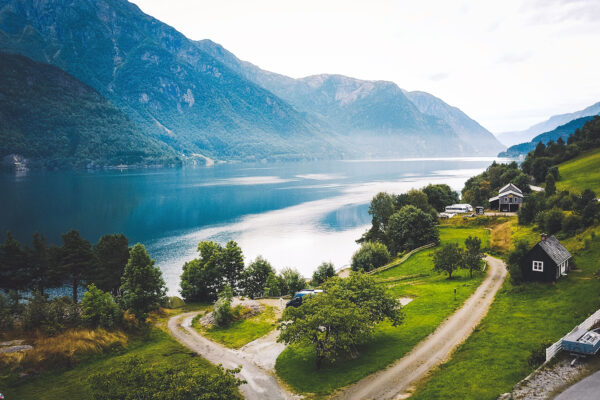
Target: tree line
[[218, 267], [401, 223], [117, 278]]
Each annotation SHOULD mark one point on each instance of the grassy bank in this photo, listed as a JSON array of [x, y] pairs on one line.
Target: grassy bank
[[58, 384], [433, 301], [241, 332], [582, 172], [519, 322]]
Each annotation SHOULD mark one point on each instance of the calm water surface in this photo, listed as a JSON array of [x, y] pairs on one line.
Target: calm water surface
[[294, 214]]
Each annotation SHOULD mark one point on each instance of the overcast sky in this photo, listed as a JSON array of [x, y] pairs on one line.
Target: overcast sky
[[508, 64]]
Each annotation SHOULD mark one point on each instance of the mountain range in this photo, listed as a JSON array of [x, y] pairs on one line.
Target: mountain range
[[200, 100], [563, 132], [513, 138]]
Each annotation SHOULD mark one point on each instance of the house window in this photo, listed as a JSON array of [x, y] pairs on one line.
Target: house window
[[538, 266]]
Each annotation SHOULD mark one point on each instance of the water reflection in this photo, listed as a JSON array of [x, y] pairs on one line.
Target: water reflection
[[296, 214]]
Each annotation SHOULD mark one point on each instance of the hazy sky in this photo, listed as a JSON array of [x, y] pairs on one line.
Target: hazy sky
[[508, 64]]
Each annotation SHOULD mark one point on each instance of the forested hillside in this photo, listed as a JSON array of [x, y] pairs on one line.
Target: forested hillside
[[562, 132], [53, 120]]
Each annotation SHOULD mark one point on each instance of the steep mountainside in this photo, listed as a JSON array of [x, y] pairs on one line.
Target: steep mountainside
[[54, 120], [512, 138], [466, 128], [170, 87], [563, 131], [354, 106], [199, 98]]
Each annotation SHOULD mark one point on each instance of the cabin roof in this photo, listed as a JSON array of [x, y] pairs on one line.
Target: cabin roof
[[555, 250], [508, 187]]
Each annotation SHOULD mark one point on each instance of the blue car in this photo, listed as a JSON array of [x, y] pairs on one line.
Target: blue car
[[296, 301]]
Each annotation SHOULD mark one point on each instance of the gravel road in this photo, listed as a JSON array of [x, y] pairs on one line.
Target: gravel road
[[262, 384], [398, 380]]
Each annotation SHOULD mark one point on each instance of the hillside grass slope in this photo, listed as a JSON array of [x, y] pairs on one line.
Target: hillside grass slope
[[580, 173]]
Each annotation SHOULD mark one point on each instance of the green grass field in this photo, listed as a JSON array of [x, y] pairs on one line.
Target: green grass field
[[241, 332], [158, 348], [433, 301], [520, 321], [582, 172]]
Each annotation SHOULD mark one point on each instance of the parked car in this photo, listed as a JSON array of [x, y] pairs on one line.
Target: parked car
[[296, 301]]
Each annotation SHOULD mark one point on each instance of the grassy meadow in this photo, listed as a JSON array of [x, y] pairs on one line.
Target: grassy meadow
[[241, 332], [582, 172], [521, 320], [433, 301], [155, 347]]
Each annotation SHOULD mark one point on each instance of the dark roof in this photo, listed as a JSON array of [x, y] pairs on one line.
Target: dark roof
[[555, 250]]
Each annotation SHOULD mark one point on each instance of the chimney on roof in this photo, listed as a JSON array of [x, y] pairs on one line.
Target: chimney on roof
[[543, 237]]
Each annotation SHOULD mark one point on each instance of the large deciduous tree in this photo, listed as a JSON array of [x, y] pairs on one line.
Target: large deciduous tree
[[232, 261], [255, 276], [337, 321], [410, 228], [473, 257], [292, 281], [143, 288], [204, 277], [380, 209], [323, 272], [448, 259], [440, 196]]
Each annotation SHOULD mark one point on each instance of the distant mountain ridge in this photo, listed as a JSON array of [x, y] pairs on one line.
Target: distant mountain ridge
[[353, 105], [563, 132], [198, 98], [512, 138]]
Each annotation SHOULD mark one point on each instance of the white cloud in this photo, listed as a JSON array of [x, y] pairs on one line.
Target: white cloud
[[491, 59]]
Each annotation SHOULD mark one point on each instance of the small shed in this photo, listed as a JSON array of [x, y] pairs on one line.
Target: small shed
[[509, 199], [547, 261]]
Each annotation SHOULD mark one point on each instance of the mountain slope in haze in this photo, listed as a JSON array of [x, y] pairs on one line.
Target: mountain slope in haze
[[199, 98], [53, 120], [380, 108], [512, 138], [163, 81], [563, 131], [465, 127]]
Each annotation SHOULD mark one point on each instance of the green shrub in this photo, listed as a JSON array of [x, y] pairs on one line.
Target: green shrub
[[99, 309], [50, 317], [134, 379], [222, 311], [174, 302], [370, 256]]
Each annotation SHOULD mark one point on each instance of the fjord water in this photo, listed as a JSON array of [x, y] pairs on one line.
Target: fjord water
[[294, 214]]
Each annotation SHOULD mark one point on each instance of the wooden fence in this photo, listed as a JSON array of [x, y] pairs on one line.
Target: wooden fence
[[404, 258], [584, 326]]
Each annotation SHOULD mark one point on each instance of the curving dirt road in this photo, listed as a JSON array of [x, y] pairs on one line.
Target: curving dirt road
[[397, 380], [261, 383]]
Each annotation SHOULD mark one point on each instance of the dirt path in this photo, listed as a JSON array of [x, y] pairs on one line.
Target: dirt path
[[398, 380], [262, 384]]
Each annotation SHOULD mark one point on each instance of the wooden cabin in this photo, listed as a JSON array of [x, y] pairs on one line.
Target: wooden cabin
[[509, 199], [547, 261]]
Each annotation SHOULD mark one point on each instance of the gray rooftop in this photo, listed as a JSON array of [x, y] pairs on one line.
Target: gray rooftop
[[555, 250], [509, 187]]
